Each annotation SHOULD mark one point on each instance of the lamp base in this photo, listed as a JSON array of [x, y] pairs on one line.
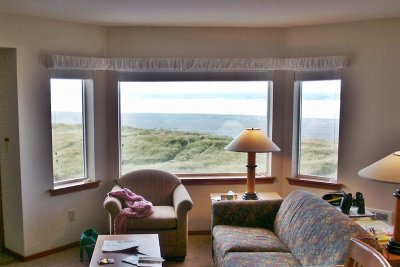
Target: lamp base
[[250, 196], [393, 247]]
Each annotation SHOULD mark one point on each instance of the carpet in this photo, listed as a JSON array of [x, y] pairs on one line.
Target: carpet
[[199, 255], [6, 259]]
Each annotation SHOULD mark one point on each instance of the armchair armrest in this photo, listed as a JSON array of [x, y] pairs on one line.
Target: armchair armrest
[[112, 204], [251, 213], [182, 203], [181, 200]]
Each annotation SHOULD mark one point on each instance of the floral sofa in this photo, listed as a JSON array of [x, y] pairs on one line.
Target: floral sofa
[[301, 230]]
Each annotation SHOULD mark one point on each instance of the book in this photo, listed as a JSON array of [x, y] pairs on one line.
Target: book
[[119, 245]]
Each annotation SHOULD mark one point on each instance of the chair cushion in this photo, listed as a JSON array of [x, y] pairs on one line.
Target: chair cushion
[[156, 186], [260, 259], [244, 239], [164, 217]]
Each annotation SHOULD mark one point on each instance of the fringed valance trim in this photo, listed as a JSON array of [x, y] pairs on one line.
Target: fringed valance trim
[[62, 62]]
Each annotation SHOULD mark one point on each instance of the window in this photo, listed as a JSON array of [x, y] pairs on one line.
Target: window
[[318, 125], [68, 129], [183, 126]]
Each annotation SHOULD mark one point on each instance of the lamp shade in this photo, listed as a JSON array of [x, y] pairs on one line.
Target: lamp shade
[[385, 170], [252, 140]]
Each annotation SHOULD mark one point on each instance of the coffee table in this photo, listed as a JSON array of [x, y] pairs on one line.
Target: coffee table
[[148, 244]]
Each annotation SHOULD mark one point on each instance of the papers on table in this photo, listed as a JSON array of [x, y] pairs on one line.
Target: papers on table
[[119, 245], [139, 260], [131, 246], [382, 231]]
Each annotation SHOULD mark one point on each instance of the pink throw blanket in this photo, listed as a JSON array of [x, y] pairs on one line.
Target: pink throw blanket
[[136, 207]]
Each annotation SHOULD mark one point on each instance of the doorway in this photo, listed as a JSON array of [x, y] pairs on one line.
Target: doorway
[[2, 244], [8, 128]]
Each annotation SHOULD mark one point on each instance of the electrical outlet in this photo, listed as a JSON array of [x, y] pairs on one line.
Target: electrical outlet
[[71, 215]]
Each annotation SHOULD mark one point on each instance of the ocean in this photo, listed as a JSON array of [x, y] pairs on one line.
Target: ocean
[[221, 125]]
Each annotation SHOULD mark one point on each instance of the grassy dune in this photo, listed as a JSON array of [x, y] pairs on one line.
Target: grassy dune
[[178, 152], [68, 158], [318, 158]]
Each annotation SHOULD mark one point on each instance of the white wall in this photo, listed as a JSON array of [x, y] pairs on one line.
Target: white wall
[[194, 42], [44, 218], [368, 125]]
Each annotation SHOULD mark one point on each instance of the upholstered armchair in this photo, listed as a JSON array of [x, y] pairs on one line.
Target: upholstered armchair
[[171, 203]]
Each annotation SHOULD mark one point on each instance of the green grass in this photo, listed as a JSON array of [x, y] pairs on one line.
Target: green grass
[[319, 158], [178, 152], [68, 161]]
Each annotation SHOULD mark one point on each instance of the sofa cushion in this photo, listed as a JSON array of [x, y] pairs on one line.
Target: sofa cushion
[[244, 239], [260, 259], [316, 232], [260, 213], [164, 217]]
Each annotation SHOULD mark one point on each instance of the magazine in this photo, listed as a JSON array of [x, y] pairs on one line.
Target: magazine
[[119, 245]]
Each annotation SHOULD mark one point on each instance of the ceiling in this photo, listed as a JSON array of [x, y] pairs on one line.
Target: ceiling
[[209, 13]]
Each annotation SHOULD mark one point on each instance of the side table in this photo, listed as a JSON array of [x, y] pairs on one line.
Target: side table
[[383, 233], [393, 259], [261, 196], [355, 215]]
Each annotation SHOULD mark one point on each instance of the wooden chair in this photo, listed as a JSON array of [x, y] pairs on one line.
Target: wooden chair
[[361, 254]]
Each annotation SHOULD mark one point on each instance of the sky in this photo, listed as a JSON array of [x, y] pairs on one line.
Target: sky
[[321, 99], [66, 95], [233, 98]]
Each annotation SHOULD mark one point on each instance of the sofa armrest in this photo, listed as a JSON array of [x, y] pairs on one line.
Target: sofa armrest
[[250, 213]]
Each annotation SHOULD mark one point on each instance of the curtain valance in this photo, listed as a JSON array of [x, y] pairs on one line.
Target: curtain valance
[[55, 62]]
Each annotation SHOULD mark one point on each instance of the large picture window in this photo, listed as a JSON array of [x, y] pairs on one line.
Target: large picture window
[[183, 126], [318, 124], [68, 130]]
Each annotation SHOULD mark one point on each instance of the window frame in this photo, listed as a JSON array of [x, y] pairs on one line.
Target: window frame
[[84, 92], [297, 106], [203, 77]]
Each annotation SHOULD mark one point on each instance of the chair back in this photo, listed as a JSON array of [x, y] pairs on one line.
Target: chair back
[[361, 254], [156, 186]]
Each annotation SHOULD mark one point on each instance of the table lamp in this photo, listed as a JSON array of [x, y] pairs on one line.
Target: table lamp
[[388, 170], [252, 141]]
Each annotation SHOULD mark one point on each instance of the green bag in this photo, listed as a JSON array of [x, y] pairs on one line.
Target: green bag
[[88, 242]]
